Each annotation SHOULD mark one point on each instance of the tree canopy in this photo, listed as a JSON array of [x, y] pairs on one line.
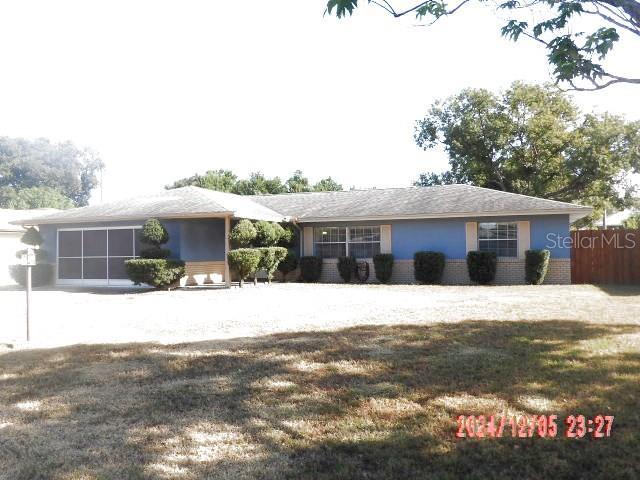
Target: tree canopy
[[574, 54], [533, 140], [38, 173], [256, 184]]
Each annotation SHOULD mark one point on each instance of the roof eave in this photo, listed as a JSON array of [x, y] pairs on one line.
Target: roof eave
[[119, 218], [576, 213]]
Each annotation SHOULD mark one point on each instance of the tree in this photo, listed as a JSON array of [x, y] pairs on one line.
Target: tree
[[220, 180], [633, 222], [267, 233], [258, 184], [298, 183], [574, 54], [245, 261], [33, 197], [534, 141], [48, 168], [327, 185]]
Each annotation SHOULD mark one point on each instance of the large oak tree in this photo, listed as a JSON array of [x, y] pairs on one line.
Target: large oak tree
[[533, 140]]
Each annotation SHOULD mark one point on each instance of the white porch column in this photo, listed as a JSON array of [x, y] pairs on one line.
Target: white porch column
[[227, 230]]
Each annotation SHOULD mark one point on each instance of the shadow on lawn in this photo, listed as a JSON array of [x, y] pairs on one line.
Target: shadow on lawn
[[366, 402]]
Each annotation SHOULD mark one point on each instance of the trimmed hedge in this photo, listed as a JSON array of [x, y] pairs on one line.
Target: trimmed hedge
[[41, 274], [289, 264], [347, 268], [536, 265], [32, 237], [243, 234], [310, 268], [245, 261], [157, 272], [154, 233], [267, 233], [362, 271], [270, 258], [428, 267], [482, 266], [383, 266]]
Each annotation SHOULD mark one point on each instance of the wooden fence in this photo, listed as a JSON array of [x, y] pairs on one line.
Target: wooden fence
[[605, 256]]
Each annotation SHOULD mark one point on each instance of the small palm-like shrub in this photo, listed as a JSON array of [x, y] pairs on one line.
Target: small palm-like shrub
[[383, 266], [347, 268], [428, 267], [245, 261], [310, 268], [482, 266], [157, 272], [536, 266]]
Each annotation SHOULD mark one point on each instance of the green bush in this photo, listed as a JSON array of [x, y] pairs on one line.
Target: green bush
[[32, 237], [41, 274], [245, 261], [482, 266], [289, 264], [243, 234], [383, 266], [267, 234], [287, 235], [155, 252], [428, 267], [154, 233], [347, 268], [310, 268], [270, 258], [157, 272], [536, 266]]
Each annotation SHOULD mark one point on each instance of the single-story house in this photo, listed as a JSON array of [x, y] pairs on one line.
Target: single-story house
[[88, 245]]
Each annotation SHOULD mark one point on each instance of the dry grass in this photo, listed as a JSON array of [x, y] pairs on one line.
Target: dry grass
[[374, 401]]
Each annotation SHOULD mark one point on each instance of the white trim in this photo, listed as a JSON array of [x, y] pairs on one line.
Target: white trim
[[385, 239], [420, 216], [471, 233], [524, 238]]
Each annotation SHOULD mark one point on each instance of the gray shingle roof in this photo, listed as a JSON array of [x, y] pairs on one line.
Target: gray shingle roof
[[176, 203], [417, 202], [390, 203]]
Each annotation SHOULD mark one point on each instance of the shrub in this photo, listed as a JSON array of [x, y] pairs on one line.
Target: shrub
[[154, 233], [41, 274], [267, 235], [287, 235], [482, 267], [289, 264], [347, 268], [428, 267], [243, 234], [536, 266], [157, 272], [155, 252], [383, 266], [270, 258], [32, 237], [244, 261], [310, 268]]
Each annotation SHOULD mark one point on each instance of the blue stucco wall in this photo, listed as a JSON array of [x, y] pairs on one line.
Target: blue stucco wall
[[189, 240], [448, 235]]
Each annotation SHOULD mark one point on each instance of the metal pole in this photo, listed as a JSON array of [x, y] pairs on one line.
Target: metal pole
[[28, 299]]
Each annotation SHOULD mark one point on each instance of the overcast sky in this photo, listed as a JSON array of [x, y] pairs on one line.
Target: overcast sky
[[165, 89]]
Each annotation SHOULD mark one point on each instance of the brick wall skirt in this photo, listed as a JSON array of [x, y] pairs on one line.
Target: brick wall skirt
[[509, 272], [203, 273]]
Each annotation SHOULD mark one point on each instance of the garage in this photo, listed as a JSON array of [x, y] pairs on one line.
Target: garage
[[96, 256]]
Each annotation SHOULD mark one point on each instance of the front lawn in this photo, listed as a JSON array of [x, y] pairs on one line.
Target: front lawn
[[371, 402]]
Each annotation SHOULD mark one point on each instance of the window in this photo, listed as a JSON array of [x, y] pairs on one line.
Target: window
[[334, 242], [330, 242], [501, 238], [96, 255]]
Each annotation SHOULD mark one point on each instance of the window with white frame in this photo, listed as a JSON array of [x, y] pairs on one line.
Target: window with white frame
[[501, 238], [97, 255], [359, 242]]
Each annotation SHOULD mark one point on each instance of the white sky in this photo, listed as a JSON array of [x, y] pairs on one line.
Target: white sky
[[165, 89]]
